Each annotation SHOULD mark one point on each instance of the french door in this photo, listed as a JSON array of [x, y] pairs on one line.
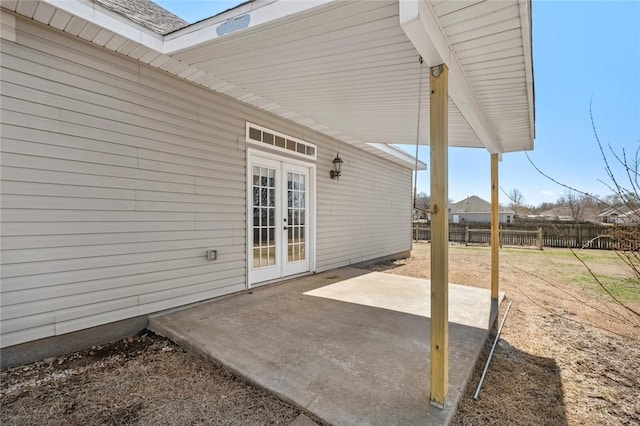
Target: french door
[[279, 212]]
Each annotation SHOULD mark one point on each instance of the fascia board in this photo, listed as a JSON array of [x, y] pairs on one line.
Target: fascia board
[[525, 25], [399, 154], [98, 15], [187, 37], [207, 30]]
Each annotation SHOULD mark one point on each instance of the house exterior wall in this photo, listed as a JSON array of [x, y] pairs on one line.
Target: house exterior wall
[[116, 178], [478, 217]]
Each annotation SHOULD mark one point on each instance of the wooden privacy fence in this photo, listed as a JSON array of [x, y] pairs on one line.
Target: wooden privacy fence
[[509, 237], [541, 234]]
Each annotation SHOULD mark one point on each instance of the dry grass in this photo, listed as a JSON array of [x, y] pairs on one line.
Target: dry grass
[[567, 353], [144, 380]]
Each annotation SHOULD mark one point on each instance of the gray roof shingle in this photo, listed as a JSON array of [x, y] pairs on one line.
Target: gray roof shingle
[[146, 13]]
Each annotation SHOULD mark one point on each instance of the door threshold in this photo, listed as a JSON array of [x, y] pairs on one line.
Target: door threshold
[[280, 280]]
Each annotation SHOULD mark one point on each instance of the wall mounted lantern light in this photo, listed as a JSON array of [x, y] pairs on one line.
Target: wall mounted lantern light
[[337, 167]]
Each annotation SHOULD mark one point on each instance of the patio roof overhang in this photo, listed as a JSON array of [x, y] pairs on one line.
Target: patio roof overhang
[[350, 70]]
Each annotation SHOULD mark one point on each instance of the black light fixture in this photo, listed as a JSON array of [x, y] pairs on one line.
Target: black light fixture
[[337, 167]]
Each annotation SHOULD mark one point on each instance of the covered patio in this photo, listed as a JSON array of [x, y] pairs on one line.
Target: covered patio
[[376, 73], [369, 74], [348, 345]]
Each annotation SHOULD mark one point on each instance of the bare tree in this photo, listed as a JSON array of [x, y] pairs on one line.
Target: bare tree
[[422, 205], [516, 200], [625, 185], [576, 204]]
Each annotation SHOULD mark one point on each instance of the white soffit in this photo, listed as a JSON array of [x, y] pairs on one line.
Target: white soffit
[[345, 65], [491, 41], [346, 69]]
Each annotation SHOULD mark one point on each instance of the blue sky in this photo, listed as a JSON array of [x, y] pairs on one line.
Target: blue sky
[[581, 49]]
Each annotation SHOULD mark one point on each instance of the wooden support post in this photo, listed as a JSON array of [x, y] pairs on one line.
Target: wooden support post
[[495, 231], [439, 141]]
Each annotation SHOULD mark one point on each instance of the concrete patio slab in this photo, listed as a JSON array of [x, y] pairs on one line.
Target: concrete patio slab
[[348, 345]]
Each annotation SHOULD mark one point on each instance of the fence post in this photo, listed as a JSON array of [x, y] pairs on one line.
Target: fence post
[[540, 237], [578, 237], [466, 235]]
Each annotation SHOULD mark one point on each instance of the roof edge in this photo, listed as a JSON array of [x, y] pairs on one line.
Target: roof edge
[[400, 154]]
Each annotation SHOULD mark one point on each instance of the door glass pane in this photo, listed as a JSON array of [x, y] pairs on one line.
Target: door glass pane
[[263, 257], [272, 197], [263, 188], [263, 197], [296, 199], [272, 217]]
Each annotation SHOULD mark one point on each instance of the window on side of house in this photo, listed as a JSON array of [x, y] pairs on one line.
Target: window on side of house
[[280, 142]]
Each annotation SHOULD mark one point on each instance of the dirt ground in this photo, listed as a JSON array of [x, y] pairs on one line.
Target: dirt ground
[[144, 380], [567, 355]]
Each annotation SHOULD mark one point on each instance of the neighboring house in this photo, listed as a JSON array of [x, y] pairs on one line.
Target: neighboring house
[[621, 215], [565, 213], [475, 209], [148, 164], [557, 213]]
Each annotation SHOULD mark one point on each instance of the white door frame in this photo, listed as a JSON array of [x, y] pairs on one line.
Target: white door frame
[[253, 155]]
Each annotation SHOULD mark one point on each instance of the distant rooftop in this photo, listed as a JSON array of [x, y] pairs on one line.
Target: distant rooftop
[[146, 13], [475, 204]]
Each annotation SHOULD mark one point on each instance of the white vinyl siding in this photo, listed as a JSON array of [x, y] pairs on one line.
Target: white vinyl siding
[[117, 177], [364, 215]]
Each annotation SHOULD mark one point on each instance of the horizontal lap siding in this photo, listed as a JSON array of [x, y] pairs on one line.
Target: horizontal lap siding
[[364, 215], [115, 181], [117, 177]]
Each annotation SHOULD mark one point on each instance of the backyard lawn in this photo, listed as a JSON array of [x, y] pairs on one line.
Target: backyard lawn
[[568, 354]]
